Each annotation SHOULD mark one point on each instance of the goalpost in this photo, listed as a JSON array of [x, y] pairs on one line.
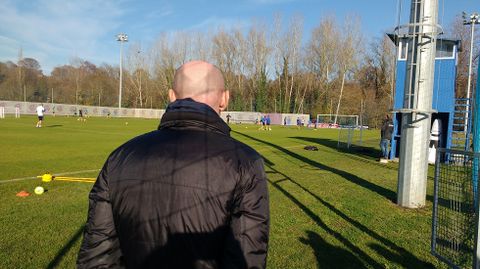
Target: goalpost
[[342, 120], [346, 125]]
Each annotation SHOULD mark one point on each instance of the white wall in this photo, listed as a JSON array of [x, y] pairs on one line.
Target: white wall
[[28, 108]]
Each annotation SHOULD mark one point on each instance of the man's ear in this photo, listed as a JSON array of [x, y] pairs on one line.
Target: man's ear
[[224, 100], [172, 96]]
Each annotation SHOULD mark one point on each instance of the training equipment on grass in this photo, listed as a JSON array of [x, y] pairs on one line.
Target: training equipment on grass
[[39, 190], [23, 194], [345, 137], [47, 177], [348, 136], [76, 179]]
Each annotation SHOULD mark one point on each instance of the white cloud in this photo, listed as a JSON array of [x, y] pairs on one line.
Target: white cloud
[[49, 28], [218, 22], [159, 13]]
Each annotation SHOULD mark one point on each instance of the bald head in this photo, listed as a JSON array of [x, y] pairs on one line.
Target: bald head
[[201, 81]]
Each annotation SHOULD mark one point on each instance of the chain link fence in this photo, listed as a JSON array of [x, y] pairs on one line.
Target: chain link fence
[[454, 225]]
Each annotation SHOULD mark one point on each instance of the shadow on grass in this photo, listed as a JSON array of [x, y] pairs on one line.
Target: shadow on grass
[[364, 256], [359, 153], [54, 125], [406, 259], [388, 194], [367, 155], [330, 256], [395, 257], [402, 256], [61, 253], [368, 152]]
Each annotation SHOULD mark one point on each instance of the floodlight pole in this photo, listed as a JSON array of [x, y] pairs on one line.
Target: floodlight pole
[[417, 108], [473, 19], [121, 38]]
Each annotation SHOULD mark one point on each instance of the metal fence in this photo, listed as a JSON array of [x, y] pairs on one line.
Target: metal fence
[[454, 225]]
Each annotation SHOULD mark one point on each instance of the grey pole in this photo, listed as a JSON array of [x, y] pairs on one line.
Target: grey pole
[[121, 79], [121, 38], [474, 19], [416, 115]]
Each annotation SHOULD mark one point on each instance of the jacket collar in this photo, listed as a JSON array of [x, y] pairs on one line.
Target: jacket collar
[[187, 112]]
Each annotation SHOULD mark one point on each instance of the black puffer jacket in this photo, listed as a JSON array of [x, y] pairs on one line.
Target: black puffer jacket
[[185, 196]]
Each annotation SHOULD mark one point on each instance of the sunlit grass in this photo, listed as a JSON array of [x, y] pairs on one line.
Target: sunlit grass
[[329, 208]]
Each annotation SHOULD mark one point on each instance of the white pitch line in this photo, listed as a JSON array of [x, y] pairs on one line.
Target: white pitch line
[[94, 170], [59, 174]]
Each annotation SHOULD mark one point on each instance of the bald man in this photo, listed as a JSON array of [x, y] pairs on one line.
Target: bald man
[[184, 196]]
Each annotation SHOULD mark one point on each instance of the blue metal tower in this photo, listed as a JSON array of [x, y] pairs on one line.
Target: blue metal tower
[[450, 111]]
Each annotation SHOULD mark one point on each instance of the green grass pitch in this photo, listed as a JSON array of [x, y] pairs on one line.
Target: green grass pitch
[[329, 208]]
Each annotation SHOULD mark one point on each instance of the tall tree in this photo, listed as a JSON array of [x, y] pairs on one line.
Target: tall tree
[[256, 58], [348, 53], [322, 50], [376, 78], [138, 75]]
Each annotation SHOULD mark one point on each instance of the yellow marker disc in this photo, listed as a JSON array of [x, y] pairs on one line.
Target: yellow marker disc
[[46, 177]]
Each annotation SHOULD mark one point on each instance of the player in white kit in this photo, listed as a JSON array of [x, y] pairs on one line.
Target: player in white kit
[[40, 110]]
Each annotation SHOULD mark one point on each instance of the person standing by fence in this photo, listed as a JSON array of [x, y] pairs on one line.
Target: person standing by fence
[[386, 135]]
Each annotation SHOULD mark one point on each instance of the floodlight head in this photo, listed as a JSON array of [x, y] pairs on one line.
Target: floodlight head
[[122, 37], [475, 17], [464, 15]]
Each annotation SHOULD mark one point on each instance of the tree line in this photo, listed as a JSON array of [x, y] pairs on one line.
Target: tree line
[[267, 68]]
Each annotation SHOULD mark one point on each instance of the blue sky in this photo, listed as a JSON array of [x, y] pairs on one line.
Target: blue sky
[[55, 31]]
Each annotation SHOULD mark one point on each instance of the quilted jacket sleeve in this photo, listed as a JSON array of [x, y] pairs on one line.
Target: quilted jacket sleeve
[[100, 247], [247, 243]]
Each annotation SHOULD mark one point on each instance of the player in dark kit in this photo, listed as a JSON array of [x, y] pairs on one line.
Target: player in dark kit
[[228, 118]]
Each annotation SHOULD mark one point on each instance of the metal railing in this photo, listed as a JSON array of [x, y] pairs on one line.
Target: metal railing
[[455, 221]]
